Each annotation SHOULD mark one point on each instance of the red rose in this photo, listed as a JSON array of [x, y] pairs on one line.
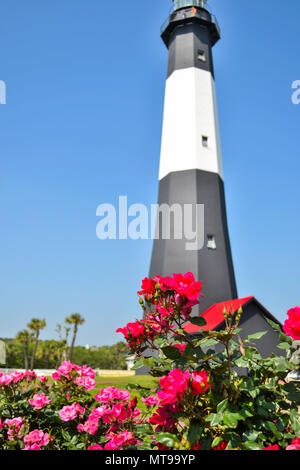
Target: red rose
[[221, 446], [197, 446], [292, 325], [148, 287], [199, 382], [275, 447], [180, 347], [184, 285], [173, 386]]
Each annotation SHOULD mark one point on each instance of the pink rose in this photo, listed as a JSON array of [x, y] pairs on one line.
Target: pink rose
[[151, 401], [111, 394], [37, 439], [42, 378], [95, 447], [34, 436], [30, 375], [110, 445], [119, 440], [6, 379], [68, 413], [55, 376], [39, 400], [295, 445], [15, 427], [92, 423], [33, 447]]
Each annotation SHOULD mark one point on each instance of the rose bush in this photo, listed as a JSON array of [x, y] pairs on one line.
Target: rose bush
[[201, 402]]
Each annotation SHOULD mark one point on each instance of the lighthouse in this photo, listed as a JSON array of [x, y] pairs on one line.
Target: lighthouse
[[191, 171]]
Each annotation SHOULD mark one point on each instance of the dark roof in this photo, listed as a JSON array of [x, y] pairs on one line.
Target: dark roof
[[214, 316]]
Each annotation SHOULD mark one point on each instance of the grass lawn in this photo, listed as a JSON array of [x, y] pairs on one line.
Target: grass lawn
[[121, 382]]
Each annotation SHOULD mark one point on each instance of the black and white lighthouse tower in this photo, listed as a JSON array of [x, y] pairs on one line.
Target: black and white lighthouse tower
[[191, 159]]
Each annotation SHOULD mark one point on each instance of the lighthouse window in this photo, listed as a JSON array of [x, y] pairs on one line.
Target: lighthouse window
[[211, 242], [201, 55], [205, 141]]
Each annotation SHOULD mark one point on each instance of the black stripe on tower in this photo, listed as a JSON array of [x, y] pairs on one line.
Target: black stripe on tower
[[190, 34], [190, 46], [214, 267]]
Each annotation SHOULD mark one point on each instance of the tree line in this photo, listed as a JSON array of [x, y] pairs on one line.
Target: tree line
[[27, 351]]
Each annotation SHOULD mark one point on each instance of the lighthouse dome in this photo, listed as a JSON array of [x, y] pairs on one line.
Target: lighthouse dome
[[188, 3]]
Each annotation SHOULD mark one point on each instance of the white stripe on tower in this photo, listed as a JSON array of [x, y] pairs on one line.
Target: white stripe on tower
[[191, 159], [190, 136]]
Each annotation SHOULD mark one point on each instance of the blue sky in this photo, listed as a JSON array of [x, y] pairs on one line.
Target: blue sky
[[82, 125]]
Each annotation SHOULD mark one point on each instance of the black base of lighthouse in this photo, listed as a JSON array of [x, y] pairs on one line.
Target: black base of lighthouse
[[213, 263]]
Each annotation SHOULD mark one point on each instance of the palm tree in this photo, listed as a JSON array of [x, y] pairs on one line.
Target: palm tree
[[48, 354], [24, 337], [63, 340], [75, 319], [35, 325]]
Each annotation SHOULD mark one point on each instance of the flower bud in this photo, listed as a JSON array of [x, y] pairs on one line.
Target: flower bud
[[133, 402], [178, 300]]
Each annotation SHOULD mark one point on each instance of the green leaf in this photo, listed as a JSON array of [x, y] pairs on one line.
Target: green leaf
[[252, 390], [274, 429], [250, 353], [295, 424], [281, 365], [233, 439], [166, 439], [252, 445], [206, 443], [283, 346], [222, 406], [216, 419], [251, 435], [230, 419], [241, 362], [80, 446], [274, 325], [143, 428], [258, 335], [138, 364], [208, 342], [171, 352], [286, 339], [217, 441], [66, 436], [246, 413], [133, 386], [263, 412], [195, 431], [199, 321], [294, 396]]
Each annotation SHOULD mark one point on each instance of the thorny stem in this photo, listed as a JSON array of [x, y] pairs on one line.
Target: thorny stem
[[228, 359]]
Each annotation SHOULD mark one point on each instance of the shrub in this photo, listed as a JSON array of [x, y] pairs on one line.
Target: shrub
[[201, 402]]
